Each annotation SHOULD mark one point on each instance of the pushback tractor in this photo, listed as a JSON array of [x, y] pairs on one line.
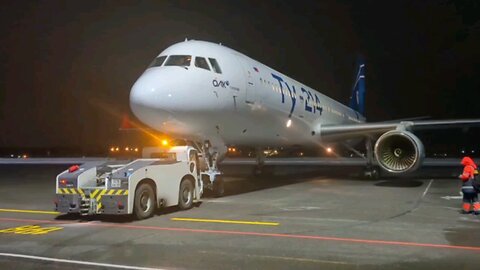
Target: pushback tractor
[[138, 187]]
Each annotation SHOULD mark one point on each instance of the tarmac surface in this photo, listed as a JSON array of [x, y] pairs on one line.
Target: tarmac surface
[[288, 221]]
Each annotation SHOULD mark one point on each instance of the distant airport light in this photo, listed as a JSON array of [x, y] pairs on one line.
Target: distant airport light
[[127, 149], [289, 123], [164, 142], [329, 150], [24, 156], [117, 149], [136, 149], [112, 149]]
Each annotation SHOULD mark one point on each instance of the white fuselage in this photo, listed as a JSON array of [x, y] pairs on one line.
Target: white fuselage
[[247, 103]]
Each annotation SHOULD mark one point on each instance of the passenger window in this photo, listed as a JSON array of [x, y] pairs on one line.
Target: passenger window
[[215, 65], [201, 63], [179, 60], [158, 61]]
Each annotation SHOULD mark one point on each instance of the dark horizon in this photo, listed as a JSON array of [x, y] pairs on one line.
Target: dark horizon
[[67, 67]]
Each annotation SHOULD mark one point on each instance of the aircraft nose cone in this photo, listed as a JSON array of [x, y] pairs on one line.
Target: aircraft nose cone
[[147, 99]]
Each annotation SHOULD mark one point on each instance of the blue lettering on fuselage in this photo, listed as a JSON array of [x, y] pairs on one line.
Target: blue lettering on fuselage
[[223, 84], [308, 97]]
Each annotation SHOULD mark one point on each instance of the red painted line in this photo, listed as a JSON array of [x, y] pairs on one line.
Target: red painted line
[[276, 235]]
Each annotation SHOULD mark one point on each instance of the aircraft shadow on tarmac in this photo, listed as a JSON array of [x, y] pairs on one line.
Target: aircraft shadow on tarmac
[[400, 183]]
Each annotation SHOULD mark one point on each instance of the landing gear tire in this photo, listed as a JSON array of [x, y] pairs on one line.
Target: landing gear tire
[[144, 203], [185, 198], [218, 187]]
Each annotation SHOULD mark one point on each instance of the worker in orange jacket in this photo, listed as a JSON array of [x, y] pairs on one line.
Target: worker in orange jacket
[[469, 187]]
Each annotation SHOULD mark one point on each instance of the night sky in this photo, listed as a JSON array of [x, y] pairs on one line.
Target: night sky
[[66, 67]]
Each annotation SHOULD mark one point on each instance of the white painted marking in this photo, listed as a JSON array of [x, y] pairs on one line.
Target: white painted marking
[[118, 266], [284, 258], [428, 187], [315, 219], [302, 208], [452, 197]]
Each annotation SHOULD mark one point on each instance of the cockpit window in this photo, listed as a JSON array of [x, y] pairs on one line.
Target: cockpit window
[[179, 60], [215, 65], [201, 63], [158, 61]]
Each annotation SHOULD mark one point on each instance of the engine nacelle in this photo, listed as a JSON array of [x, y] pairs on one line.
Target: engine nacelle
[[399, 151]]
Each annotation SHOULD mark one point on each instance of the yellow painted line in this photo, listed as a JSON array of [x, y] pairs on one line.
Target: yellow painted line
[[29, 211], [243, 222]]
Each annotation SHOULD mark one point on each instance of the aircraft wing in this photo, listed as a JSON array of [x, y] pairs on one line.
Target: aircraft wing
[[356, 130], [330, 161]]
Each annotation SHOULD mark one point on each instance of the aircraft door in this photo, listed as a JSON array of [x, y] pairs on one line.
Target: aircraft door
[[250, 93]]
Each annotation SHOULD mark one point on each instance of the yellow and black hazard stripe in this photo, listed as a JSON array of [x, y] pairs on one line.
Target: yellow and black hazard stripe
[[98, 193], [94, 194], [71, 191]]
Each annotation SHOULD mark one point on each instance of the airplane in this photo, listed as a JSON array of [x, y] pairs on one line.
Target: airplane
[[206, 92]]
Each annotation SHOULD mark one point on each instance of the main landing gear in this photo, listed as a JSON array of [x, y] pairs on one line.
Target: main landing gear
[[260, 162], [371, 171]]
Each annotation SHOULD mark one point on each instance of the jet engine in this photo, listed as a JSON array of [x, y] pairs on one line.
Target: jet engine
[[399, 151]]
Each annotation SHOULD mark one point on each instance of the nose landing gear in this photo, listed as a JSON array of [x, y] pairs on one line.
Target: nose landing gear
[[212, 177]]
